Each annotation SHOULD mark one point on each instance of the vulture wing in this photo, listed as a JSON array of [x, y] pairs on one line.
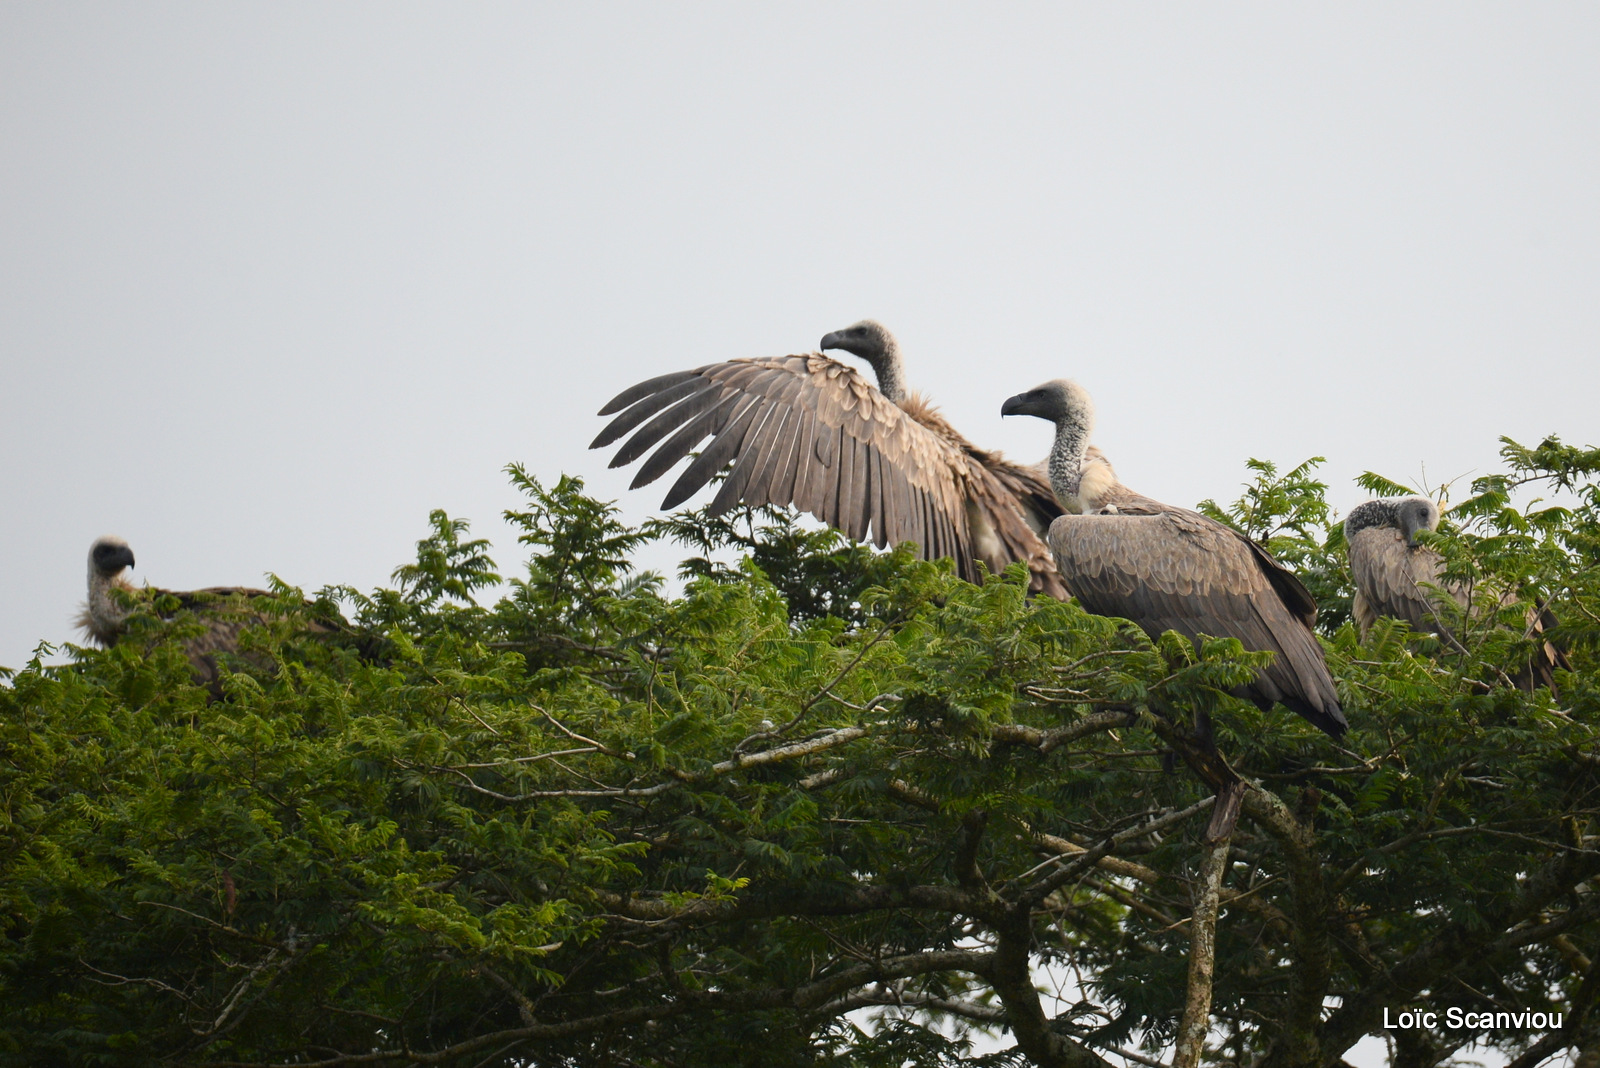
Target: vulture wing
[[1029, 486], [1546, 656], [1009, 507], [1393, 580], [225, 612], [1178, 570], [999, 515], [806, 431]]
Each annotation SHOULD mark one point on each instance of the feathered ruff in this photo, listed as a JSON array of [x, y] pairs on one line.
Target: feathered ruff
[[104, 627]]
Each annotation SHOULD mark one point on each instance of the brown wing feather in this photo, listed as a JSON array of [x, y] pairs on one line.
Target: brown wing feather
[[801, 430], [756, 438], [1014, 505], [811, 432], [1180, 571], [1546, 656], [224, 612], [1031, 488], [1393, 579], [1014, 537]]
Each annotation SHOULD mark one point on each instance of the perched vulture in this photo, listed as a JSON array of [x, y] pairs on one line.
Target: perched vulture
[[1395, 576], [875, 463], [1391, 571], [1167, 568], [224, 610]]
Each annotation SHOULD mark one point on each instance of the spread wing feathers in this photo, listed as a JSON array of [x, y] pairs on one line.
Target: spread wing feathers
[[999, 495], [1180, 571], [1031, 488], [810, 432]]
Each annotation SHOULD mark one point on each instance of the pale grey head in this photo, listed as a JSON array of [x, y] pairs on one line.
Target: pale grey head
[[1409, 515], [1067, 405], [103, 613], [1062, 400], [871, 340], [108, 556]]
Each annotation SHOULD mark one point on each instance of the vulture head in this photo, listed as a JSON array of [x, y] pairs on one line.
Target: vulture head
[[1061, 401], [1416, 514], [871, 340], [1067, 405], [103, 615], [867, 339], [1409, 515], [108, 556]]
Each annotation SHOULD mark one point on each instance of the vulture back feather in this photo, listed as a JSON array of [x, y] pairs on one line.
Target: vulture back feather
[[223, 612]]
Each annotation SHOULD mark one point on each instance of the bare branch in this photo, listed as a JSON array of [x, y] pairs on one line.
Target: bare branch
[[1066, 871], [1045, 741], [1195, 1024], [793, 751]]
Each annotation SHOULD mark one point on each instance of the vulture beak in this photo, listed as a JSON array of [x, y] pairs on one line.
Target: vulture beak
[[829, 341], [110, 563], [1015, 405]]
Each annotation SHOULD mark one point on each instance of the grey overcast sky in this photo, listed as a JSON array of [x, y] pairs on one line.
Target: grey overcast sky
[[278, 279]]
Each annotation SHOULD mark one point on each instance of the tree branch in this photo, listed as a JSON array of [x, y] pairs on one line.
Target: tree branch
[[1308, 940], [1456, 944], [802, 998], [1192, 1029]]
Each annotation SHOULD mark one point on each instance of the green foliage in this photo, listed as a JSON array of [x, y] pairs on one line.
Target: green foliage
[[446, 566], [818, 572], [1291, 517], [827, 807]]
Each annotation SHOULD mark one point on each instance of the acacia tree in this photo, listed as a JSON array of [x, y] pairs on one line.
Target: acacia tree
[[594, 824]]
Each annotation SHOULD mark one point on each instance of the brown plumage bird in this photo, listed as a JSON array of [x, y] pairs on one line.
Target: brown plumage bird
[[1396, 576], [223, 610], [879, 464], [1165, 568], [1392, 572]]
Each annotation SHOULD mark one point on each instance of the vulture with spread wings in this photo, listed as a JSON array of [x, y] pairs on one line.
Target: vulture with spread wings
[[809, 431], [1168, 568]]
